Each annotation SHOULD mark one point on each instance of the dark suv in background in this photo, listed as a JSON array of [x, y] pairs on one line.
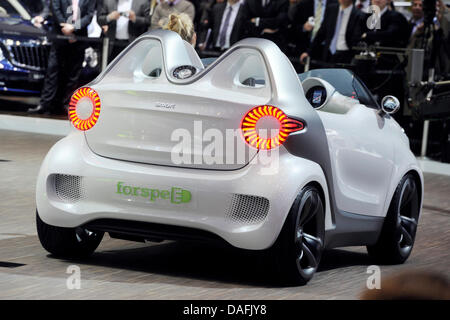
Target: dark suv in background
[[23, 52]]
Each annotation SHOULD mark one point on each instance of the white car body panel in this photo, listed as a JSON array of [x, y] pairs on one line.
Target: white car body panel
[[210, 189], [353, 154]]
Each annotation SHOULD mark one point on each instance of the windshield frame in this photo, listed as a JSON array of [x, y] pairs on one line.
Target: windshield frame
[[345, 77]]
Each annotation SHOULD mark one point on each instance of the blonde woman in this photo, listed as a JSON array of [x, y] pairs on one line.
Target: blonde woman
[[183, 25]]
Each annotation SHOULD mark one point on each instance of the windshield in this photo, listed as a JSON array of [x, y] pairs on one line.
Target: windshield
[[345, 82]]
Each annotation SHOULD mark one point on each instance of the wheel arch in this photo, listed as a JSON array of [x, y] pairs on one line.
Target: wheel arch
[[323, 196], [419, 181]]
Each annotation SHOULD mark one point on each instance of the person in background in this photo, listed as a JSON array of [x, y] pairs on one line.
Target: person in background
[[226, 22], [306, 17], [266, 19], [416, 21], [362, 5], [165, 8], [153, 4], [203, 16], [126, 20], [341, 29], [183, 25], [394, 30], [44, 12], [66, 56]]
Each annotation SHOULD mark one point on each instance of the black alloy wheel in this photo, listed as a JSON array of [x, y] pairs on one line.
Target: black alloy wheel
[[298, 249], [399, 231]]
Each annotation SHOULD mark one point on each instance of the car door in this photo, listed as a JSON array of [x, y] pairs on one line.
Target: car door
[[362, 158]]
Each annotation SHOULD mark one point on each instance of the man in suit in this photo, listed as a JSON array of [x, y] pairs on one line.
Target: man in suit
[[71, 18], [394, 30], [301, 29], [43, 10], [340, 31], [266, 19], [126, 20], [226, 22]]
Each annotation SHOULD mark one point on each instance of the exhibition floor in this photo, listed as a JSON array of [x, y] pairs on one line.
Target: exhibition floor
[[173, 270]]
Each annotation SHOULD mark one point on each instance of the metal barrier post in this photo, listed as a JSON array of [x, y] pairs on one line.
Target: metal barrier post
[[105, 52], [426, 124], [308, 61]]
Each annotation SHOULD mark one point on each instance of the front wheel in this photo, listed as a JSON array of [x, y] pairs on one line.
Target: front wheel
[[299, 247], [67, 242], [399, 230]]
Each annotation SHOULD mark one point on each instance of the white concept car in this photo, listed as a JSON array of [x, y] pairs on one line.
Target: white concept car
[[244, 151]]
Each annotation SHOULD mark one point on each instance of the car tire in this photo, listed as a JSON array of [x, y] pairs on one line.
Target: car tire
[[298, 249], [67, 242], [399, 229]]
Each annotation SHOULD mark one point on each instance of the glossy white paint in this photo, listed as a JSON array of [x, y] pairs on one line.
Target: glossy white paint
[[369, 154], [131, 144], [211, 191]]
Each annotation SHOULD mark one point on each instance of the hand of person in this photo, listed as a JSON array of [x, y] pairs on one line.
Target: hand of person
[[201, 46], [37, 21], [419, 28], [132, 16], [253, 20], [67, 29], [270, 31], [105, 28], [303, 57], [114, 15], [308, 26]]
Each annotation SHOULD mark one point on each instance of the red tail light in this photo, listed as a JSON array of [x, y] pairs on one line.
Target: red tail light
[[251, 124], [84, 108]]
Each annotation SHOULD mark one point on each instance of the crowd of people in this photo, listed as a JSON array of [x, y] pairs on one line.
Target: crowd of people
[[324, 30]]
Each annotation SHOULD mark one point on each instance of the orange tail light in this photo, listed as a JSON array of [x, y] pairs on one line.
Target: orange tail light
[[251, 124], [84, 108]]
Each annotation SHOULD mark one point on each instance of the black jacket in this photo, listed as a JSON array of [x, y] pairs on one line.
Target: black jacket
[[298, 14], [327, 29], [273, 16], [394, 30], [140, 7], [62, 12], [217, 13]]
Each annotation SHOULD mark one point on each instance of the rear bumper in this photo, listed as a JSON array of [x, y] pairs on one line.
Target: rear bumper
[[244, 207]]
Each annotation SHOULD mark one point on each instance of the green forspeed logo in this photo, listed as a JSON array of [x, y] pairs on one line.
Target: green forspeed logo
[[174, 195]]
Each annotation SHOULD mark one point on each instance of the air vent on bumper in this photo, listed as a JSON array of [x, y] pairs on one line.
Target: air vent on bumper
[[248, 209], [68, 188]]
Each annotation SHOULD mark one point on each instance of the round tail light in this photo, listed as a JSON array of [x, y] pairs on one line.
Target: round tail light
[[276, 124], [84, 108]]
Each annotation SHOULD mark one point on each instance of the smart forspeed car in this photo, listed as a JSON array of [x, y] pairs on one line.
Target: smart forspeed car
[[244, 151]]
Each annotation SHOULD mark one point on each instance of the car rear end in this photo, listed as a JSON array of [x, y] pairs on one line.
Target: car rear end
[[164, 149]]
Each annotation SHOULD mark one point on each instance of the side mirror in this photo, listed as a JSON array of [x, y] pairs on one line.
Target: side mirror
[[390, 104]]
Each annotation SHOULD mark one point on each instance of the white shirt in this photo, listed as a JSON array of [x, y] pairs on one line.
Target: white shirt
[[122, 22], [233, 15], [364, 4], [324, 5], [341, 43]]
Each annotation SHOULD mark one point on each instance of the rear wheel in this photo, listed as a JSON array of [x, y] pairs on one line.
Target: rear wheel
[[299, 247], [67, 242], [399, 230]]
